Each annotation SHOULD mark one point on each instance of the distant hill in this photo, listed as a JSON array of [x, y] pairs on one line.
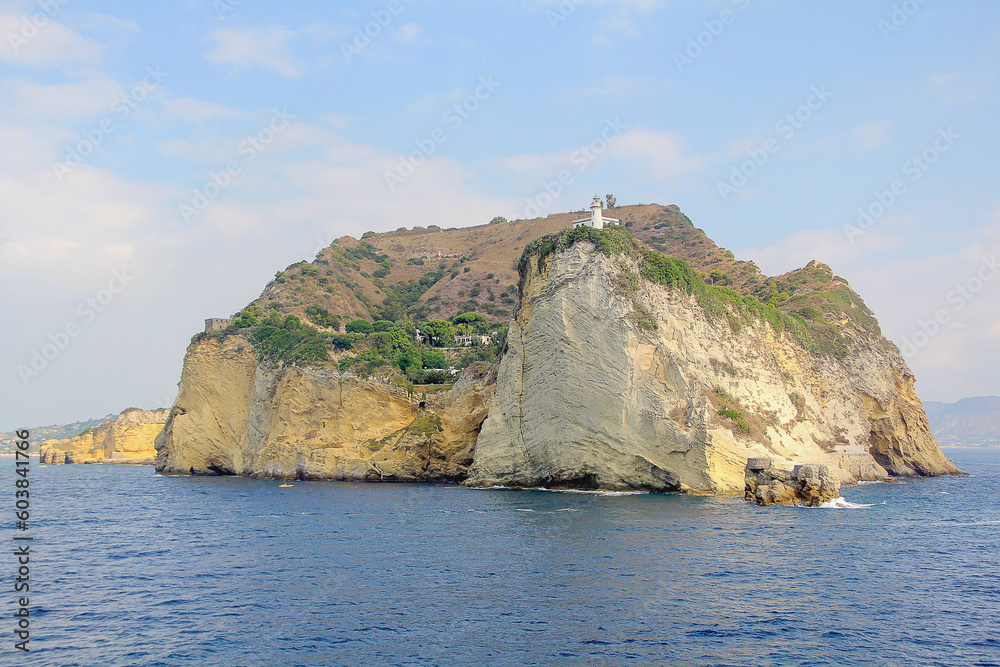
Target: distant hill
[[971, 422], [40, 433]]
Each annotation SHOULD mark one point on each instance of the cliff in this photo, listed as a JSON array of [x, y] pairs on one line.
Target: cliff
[[622, 369], [615, 381], [238, 414], [128, 438]]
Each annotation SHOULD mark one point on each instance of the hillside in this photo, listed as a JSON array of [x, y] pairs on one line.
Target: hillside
[[425, 273], [404, 279], [971, 422]]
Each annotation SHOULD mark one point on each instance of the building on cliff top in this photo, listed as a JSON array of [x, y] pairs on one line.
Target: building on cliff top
[[216, 324], [596, 220]]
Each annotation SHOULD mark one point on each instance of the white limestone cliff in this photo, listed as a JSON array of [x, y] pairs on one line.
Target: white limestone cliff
[[589, 395]]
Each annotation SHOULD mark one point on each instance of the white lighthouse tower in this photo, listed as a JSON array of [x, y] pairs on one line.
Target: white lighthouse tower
[[596, 220]]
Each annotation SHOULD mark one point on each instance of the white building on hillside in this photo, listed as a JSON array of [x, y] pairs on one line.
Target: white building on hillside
[[596, 220]]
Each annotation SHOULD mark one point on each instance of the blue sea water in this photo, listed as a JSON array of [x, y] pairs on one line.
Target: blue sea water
[[131, 568]]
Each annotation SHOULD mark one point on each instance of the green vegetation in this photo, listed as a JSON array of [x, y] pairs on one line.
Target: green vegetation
[[289, 341], [472, 323], [360, 326], [737, 419], [610, 241], [440, 333], [497, 220], [808, 317], [321, 317], [799, 403], [648, 322]]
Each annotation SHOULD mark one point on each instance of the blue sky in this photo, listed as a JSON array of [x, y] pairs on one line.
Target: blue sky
[[769, 123]]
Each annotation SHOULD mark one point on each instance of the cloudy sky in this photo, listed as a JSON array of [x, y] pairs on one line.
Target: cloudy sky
[[160, 161]]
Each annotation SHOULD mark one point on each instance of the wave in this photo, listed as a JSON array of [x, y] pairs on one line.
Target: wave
[[597, 492], [585, 492], [842, 504]]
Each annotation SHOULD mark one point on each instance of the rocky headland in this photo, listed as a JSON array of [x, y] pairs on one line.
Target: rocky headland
[[642, 358], [127, 438]]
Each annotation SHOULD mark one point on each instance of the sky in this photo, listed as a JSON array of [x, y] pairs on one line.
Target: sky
[[160, 161]]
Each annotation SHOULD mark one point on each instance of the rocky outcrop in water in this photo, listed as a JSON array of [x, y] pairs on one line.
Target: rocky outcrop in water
[[126, 439], [803, 485]]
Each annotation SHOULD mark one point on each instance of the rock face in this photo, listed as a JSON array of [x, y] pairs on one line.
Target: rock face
[[803, 485], [609, 381], [615, 382], [238, 415], [126, 439]]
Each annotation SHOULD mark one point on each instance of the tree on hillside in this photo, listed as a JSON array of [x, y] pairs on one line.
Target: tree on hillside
[[497, 220], [434, 358], [473, 321], [440, 333], [359, 326], [611, 201]]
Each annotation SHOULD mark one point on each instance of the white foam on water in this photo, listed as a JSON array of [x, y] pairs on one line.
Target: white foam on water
[[843, 504], [585, 492]]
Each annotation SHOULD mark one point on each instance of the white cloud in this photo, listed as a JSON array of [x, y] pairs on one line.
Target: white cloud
[[907, 289], [110, 28], [408, 33], [831, 246], [621, 85], [59, 101], [37, 40], [265, 46], [948, 87], [871, 135], [193, 110], [435, 103], [662, 154], [652, 153], [942, 79]]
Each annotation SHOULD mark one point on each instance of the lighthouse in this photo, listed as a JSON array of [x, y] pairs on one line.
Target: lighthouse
[[596, 220]]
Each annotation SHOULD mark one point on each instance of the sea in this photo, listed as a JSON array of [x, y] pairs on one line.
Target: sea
[[131, 568]]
